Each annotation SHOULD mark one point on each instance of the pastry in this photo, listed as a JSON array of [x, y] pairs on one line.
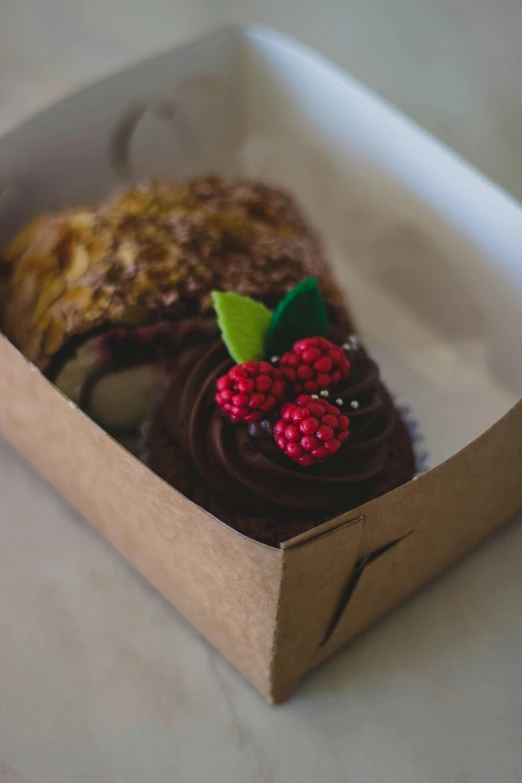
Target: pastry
[[103, 298], [273, 434]]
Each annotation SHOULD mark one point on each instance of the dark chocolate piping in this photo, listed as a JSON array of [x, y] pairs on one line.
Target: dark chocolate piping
[[253, 474]]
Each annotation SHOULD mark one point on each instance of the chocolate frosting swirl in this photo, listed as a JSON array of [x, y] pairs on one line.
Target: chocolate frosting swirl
[[242, 462]]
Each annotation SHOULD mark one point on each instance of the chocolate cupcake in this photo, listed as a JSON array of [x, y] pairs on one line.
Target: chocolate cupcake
[[272, 434], [102, 299]]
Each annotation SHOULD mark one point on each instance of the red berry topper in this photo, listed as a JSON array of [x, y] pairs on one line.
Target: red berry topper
[[314, 364], [310, 430], [249, 391]]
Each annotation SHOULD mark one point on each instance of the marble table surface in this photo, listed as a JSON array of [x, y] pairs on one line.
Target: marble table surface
[[100, 679]]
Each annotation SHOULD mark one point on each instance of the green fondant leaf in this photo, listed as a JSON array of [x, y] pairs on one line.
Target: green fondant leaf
[[244, 325], [300, 314]]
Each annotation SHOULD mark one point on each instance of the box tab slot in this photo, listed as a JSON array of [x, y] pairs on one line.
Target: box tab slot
[[353, 581]]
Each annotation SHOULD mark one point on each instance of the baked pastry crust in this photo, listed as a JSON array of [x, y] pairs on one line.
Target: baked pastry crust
[[153, 253]]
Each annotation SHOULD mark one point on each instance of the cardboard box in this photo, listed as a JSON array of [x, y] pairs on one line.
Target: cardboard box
[[430, 254]]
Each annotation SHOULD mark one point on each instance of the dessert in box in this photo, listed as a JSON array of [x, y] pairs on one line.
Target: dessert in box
[[428, 252], [114, 302]]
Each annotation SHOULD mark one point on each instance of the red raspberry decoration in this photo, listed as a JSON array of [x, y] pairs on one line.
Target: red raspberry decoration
[[249, 390], [314, 364], [310, 430]]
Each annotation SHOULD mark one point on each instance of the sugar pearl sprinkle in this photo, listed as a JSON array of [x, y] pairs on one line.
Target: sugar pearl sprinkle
[[352, 343], [339, 402], [354, 404], [274, 359], [324, 393]]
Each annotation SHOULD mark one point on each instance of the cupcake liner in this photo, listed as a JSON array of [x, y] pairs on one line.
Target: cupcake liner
[[417, 437]]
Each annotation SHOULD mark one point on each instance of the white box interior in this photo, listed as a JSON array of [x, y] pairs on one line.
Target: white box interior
[[429, 250]]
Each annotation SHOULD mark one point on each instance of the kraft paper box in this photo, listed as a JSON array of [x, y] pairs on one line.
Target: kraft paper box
[[430, 253]]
